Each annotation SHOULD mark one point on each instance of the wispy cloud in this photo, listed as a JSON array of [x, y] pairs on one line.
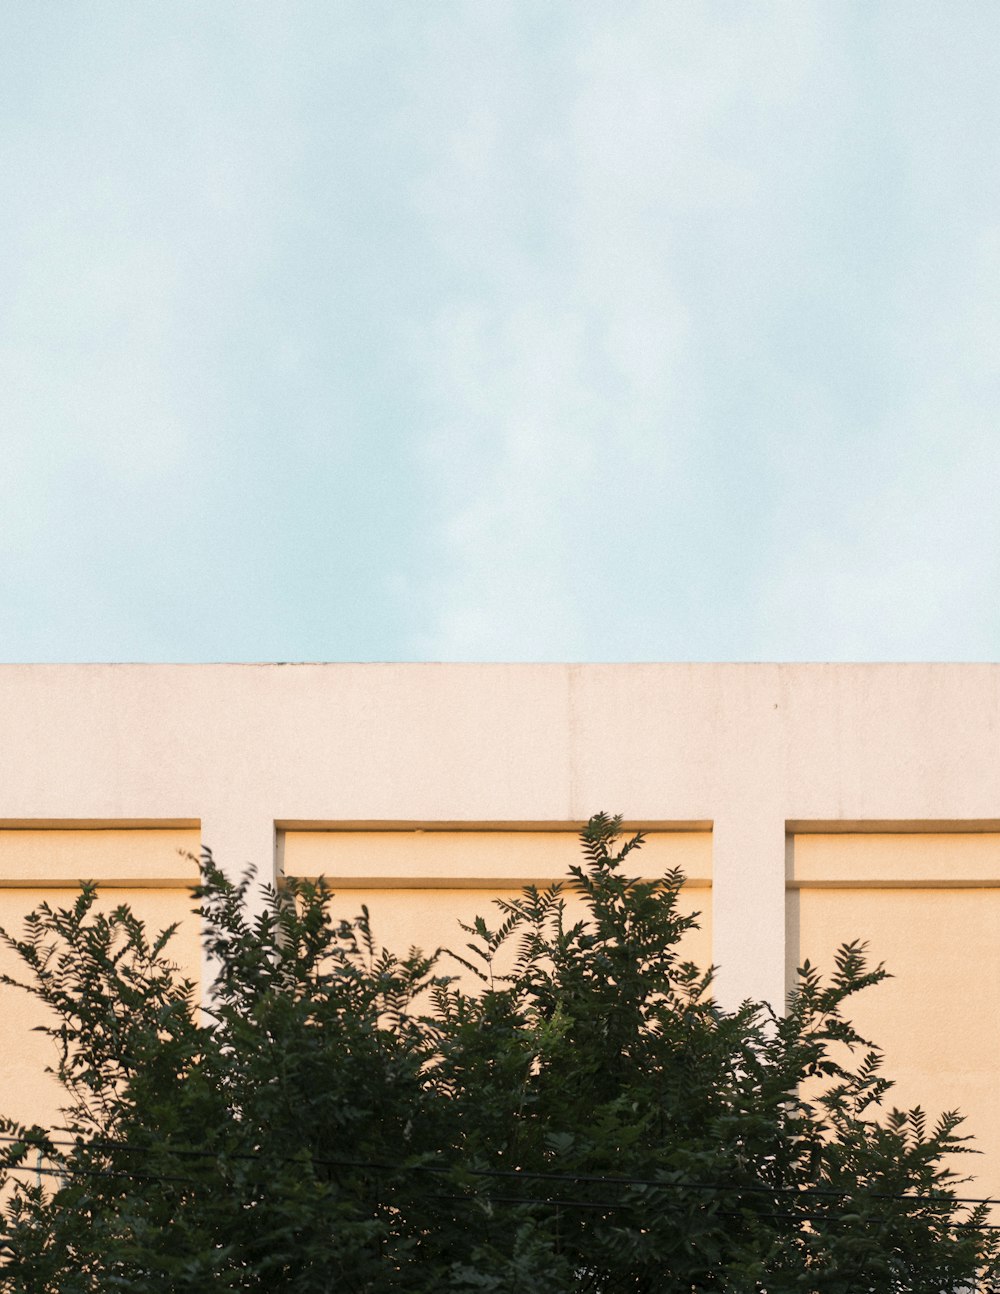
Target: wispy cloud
[[500, 330], [564, 363], [706, 381]]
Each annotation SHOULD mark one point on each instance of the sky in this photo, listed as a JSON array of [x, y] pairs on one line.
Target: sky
[[499, 331]]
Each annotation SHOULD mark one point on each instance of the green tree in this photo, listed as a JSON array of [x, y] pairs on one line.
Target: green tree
[[347, 1118]]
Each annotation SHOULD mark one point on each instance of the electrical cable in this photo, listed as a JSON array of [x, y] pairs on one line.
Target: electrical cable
[[532, 1175], [555, 1202], [604, 1206]]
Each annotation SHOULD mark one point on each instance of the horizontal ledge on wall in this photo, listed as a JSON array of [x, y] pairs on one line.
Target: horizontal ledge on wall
[[56, 857], [388, 825], [336, 883], [471, 859], [105, 883], [896, 883], [890, 826], [930, 860], [100, 824]]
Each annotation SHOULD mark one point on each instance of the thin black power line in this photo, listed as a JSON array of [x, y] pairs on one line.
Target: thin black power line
[[509, 1174], [526, 1175], [604, 1206], [76, 1171]]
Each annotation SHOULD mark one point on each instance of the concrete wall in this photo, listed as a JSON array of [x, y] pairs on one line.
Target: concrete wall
[[809, 804]]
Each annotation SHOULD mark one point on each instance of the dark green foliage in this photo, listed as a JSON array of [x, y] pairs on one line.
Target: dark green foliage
[[346, 1119]]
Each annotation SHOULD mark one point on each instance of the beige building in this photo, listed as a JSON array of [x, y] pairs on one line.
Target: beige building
[[808, 804]]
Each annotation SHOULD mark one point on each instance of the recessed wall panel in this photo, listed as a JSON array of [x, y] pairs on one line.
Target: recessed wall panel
[[420, 885], [135, 856], [139, 867], [928, 906]]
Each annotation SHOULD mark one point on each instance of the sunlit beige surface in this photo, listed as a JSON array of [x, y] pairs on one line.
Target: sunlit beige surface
[[928, 906], [453, 859], [29, 1094], [808, 804], [149, 870], [150, 857], [420, 886]]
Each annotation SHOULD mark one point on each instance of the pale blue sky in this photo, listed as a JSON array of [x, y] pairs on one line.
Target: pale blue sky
[[499, 331]]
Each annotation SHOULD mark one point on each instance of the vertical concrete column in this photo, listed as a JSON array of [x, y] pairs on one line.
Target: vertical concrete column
[[237, 839], [748, 906]]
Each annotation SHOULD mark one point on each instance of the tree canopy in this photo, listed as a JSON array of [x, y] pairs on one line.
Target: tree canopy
[[346, 1117]]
